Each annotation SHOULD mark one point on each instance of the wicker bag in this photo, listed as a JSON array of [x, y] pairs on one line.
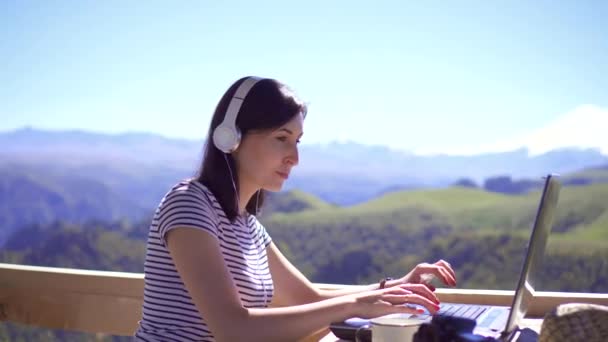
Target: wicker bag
[[575, 322]]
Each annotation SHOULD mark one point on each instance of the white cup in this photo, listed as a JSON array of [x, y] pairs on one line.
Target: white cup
[[394, 328]]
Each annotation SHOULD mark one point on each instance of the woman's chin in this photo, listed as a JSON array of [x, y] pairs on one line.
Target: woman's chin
[[275, 187]]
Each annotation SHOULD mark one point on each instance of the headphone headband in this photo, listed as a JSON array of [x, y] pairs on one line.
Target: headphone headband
[[227, 136], [237, 100]]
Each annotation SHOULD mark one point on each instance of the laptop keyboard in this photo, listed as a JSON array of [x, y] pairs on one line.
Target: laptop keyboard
[[466, 311]]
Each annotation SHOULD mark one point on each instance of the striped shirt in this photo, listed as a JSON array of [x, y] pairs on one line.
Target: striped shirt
[[169, 313]]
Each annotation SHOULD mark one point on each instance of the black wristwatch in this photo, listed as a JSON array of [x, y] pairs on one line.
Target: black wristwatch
[[383, 281]]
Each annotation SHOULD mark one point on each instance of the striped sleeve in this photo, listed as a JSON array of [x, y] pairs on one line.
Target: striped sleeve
[[261, 231], [184, 207]]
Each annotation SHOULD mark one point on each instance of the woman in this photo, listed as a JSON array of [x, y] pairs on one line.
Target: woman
[[212, 272]]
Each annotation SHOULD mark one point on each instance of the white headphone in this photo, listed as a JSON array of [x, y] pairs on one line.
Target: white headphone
[[226, 136]]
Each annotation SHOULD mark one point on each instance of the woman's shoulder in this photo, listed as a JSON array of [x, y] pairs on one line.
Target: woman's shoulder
[[188, 203], [193, 189]]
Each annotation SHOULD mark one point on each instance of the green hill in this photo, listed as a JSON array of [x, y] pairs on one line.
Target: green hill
[[361, 243], [292, 201], [580, 209], [94, 245], [596, 174], [34, 198]]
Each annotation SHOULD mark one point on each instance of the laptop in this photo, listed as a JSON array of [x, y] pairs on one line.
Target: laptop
[[496, 321]]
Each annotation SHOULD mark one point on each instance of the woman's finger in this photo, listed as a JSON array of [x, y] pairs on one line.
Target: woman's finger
[[383, 302], [423, 290], [411, 299], [443, 262], [446, 275], [394, 290], [440, 272], [429, 286], [447, 266]]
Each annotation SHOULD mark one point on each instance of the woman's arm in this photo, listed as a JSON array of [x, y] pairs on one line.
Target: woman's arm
[[292, 287], [199, 261]]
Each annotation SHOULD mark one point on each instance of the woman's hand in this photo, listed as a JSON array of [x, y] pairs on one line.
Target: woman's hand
[[423, 274], [375, 303]]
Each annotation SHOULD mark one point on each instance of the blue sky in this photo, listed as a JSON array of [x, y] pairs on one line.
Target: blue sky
[[411, 75]]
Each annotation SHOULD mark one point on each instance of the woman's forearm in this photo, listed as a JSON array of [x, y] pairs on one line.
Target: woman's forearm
[[288, 323], [327, 294], [299, 321]]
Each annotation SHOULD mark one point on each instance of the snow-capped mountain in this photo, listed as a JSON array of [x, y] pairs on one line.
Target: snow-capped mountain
[[585, 127]]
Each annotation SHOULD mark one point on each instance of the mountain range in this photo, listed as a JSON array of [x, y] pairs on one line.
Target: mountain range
[[341, 173]]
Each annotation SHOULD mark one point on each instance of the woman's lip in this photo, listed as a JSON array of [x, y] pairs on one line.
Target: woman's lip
[[282, 174]]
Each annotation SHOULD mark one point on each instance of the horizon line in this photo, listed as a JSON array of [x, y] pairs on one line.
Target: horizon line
[[419, 152]]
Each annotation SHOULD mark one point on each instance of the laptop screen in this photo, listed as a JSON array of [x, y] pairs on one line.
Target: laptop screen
[[535, 251]]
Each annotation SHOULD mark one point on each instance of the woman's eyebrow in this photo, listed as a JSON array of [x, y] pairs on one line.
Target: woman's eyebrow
[[286, 130], [289, 131]]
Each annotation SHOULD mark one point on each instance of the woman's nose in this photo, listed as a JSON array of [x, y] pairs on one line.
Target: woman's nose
[[293, 158]]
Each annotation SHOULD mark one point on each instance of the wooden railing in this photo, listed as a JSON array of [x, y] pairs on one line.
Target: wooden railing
[[110, 302]]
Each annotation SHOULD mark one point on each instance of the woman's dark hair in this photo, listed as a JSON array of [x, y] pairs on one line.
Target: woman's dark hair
[[269, 105]]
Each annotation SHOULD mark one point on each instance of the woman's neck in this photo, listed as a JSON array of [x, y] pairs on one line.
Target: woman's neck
[[246, 191]]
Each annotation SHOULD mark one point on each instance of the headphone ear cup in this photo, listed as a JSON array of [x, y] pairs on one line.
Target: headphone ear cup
[[226, 138]]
